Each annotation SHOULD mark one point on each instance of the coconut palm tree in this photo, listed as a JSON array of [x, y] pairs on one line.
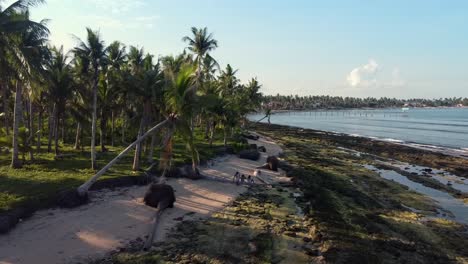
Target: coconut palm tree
[[116, 58], [201, 43], [180, 99], [95, 52], [60, 87], [22, 50]]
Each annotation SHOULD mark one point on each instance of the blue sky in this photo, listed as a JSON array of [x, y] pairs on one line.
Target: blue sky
[[348, 48]]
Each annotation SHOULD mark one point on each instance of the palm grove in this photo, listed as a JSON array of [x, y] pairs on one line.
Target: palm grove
[[104, 95]]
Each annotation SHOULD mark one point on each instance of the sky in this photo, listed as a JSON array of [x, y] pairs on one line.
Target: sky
[[397, 48]]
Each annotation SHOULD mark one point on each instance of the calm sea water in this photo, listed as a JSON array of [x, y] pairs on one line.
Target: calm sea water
[[434, 128]]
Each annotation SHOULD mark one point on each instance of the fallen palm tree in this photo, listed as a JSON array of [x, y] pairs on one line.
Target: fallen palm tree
[[160, 196]]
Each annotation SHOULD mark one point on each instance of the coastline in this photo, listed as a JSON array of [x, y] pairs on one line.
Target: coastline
[[418, 155], [334, 209], [365, 108]]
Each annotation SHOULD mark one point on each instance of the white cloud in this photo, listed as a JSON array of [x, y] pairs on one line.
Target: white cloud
[[364, 75]]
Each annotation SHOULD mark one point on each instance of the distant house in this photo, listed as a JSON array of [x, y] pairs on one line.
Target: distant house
[[459, 105]]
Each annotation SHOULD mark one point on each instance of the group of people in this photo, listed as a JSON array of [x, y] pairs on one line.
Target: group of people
[[241, 179]]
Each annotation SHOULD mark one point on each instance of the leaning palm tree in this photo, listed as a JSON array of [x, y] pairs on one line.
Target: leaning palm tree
[[95, 52], [179, 105]]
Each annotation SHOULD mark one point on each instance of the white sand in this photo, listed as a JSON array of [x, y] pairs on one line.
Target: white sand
[[114, 218]]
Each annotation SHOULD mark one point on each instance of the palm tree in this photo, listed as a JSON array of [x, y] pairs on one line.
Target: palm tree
[[116, 58], [180, 99], [94, 50], [201, 44], [60, 86], [136, 63], [22, 50]]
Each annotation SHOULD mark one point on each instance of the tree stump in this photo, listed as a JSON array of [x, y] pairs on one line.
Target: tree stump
[[273, 163]]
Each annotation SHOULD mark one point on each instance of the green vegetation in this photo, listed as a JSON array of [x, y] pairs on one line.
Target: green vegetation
[[359, 217], [349, 215], [37, 183], [291, 102], [106, 96]]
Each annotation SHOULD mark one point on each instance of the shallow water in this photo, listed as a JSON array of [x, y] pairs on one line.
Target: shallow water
[[456, 207], [444, 177], [427, 128]]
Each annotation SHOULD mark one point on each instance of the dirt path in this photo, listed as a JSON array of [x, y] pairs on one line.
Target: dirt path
[[114, 218]]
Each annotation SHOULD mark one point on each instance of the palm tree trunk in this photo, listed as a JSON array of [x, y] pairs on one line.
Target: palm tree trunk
[[207, 128], [112, 128], [77, 136], [123, 127], [51, 128], [31, 128], [15, 162], [39, 132], [225, 136], [64, 125], [56, 131], [212, 131], [5, 109], [103, 132], [136, 158], [83, 189], [93, 124]]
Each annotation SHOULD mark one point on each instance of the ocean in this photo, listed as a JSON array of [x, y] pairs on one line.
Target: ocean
[[444, 129]]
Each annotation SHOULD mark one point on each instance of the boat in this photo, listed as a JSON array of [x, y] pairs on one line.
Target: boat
[[404, 109]]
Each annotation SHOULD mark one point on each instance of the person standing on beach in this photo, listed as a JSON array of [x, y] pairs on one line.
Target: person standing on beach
[[250, 180], [236, 177]]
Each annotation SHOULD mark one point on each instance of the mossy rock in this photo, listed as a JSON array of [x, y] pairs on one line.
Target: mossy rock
[[250, 154]]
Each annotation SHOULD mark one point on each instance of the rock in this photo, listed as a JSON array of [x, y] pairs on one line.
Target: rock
[[173, 172], [188, 172], [306, 239], [250, 136], [311, 251], [252, 247], [160, 193], [253, 146], [71, 198], [249, 154], [427, 170], [273, 163], [185, 240], [290, 234], [230, 150], [7, 221], [262, 149]]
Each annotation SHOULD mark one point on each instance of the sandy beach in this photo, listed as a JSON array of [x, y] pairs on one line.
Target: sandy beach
[[114, 218]]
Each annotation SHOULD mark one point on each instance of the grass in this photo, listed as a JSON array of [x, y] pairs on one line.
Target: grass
[[37, 183]]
